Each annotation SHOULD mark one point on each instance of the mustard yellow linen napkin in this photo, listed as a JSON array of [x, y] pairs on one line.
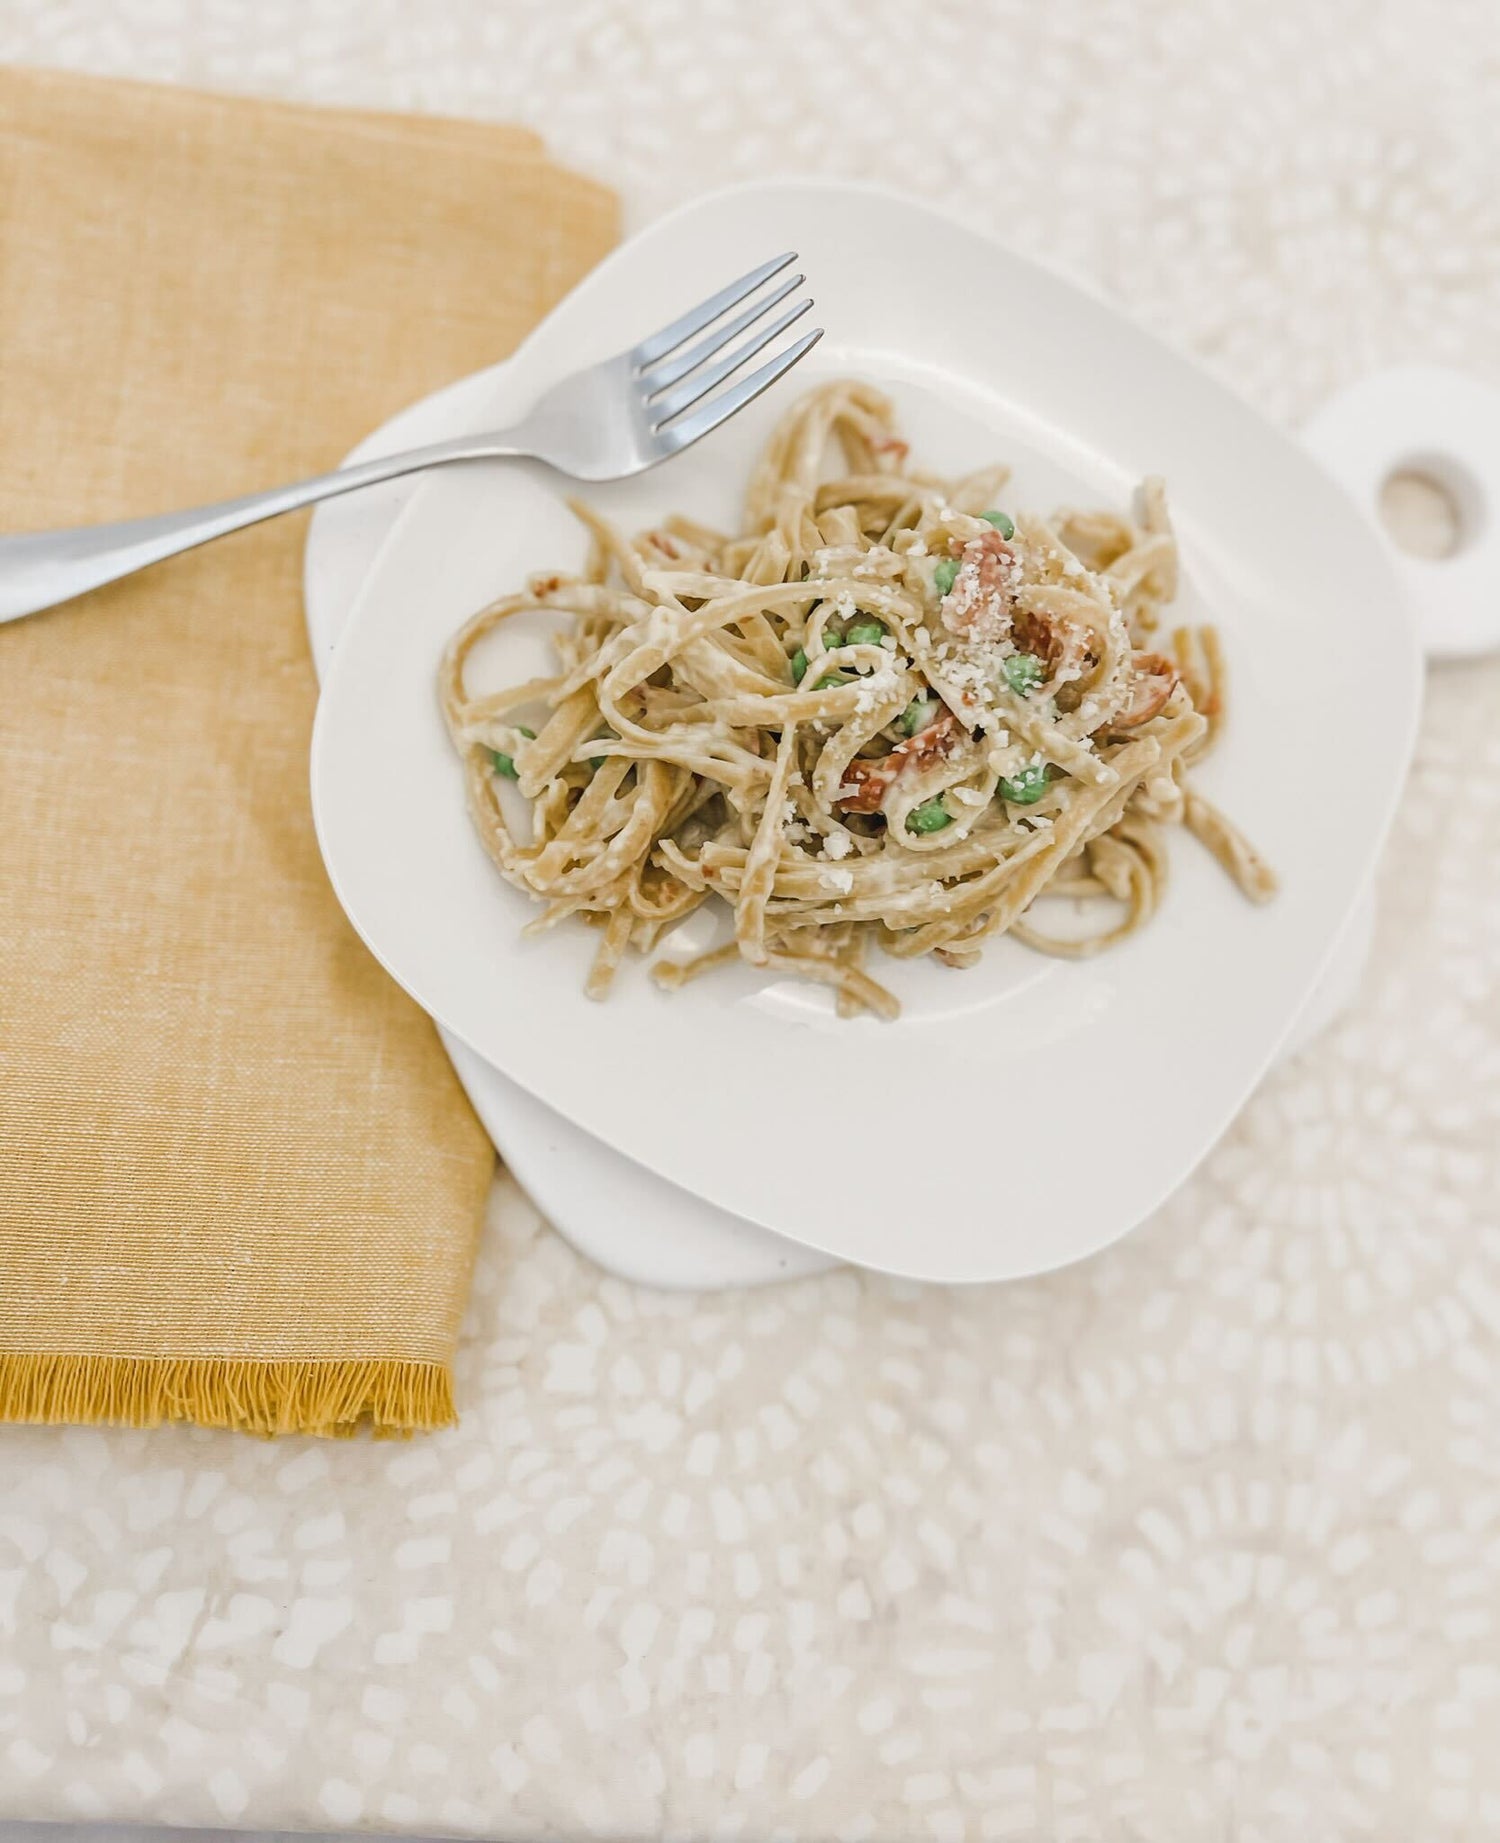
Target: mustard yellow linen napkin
[[239, 1183]]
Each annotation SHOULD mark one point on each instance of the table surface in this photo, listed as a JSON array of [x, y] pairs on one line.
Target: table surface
[[1200, 1538]]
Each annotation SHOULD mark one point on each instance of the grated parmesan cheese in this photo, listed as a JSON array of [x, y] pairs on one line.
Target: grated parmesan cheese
[[873, 689]]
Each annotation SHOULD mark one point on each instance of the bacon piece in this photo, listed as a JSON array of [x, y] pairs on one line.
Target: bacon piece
[[1155, 681], [981, 607], [870, 780], [978, 606], [1061, 643], [890, 444]]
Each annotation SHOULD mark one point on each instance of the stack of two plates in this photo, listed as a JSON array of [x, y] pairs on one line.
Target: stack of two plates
[[1019, 1115]]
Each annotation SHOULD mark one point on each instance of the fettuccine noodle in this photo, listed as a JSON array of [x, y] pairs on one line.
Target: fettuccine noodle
[[887, 714]]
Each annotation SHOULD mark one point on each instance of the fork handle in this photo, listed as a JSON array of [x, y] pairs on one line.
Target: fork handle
[[39, 569]]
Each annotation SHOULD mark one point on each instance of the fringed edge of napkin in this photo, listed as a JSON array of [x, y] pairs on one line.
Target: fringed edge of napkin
[[334, 1398]]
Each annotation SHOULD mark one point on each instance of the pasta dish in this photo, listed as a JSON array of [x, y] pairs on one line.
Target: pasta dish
[[887, 714]]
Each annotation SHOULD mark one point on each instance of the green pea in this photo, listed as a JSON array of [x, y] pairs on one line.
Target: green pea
[[1002, 521], [1027, 787], [829, 680], [505, 764], [945, 575], [915, 715], [865, 633], [799, 666], [930, 816], [596, 762], [1024, 672]]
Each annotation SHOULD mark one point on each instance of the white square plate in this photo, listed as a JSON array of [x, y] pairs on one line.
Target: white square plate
[[1026, 1112]]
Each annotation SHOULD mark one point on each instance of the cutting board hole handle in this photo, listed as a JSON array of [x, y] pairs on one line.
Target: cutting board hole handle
[[1418, 449], [1432, 507]]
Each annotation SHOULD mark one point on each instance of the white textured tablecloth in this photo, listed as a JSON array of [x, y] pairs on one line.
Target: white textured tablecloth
[[1199, 1540]]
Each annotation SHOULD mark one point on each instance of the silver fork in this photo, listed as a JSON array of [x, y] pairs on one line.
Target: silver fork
[[616, 418]]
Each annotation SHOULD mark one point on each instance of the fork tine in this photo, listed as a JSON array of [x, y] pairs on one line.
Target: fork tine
[[697, 318], [711, 376], [709, 415], [671, 369]]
